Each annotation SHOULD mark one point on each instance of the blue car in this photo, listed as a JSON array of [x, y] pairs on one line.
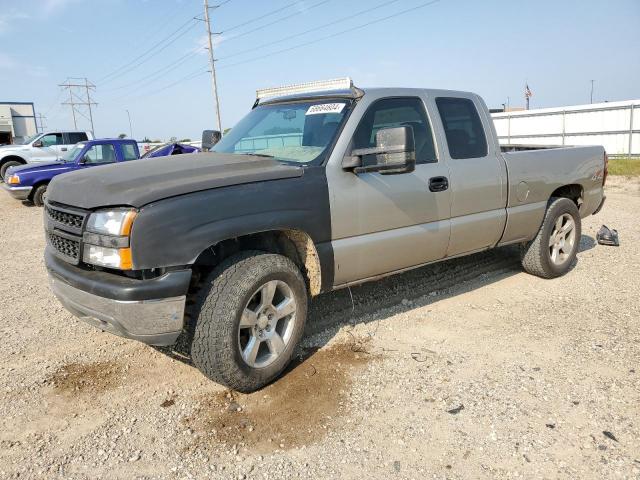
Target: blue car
[[29, 182]]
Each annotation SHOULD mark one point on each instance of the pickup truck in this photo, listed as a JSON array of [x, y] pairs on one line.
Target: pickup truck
[[40, 148], [319, 187], [30, 182]]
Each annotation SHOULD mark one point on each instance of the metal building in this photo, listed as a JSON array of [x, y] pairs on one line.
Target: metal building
[[17, 121], [614, 125]]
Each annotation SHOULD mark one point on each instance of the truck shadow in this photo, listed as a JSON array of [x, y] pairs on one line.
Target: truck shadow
[[418, 287]]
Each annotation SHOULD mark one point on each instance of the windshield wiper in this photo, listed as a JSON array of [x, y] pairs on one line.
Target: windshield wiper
[[264, 155]]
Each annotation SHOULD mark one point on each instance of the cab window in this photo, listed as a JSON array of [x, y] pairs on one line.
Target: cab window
[[51, 139], [129, 152], [397, 112], [99, 154], [463, 128]]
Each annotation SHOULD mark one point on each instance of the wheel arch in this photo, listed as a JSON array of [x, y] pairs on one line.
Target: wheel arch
[[294, 244], [572, 191], [11, 157], [35, 187]]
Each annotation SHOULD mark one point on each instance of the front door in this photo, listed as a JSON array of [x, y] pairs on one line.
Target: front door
[[48, 152], [383, 223]]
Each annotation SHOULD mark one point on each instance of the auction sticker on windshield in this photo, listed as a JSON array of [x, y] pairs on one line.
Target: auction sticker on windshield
[[325, 108]]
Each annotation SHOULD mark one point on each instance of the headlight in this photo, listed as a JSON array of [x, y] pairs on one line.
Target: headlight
[[111, 222], [13, 180], [106, 241]]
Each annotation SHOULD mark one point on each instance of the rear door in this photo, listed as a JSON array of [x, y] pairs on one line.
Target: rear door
[[477, 175], [384, 223]]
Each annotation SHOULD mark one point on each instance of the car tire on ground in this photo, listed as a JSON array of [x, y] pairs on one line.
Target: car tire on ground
[[5, 166], [249, 316], [552, 252], [39, 195]]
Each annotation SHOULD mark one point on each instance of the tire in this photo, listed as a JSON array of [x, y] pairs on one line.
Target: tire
[[39, 195], [547, 255], [225, 305], [5, 166]]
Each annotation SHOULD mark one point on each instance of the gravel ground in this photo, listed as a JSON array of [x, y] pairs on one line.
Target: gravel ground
[[465, 369]]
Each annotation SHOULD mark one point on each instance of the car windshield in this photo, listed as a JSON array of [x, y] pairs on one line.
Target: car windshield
[[72, 154], [27, 140], [300, 132]]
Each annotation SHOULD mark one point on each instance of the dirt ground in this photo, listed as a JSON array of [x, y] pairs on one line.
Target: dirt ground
[[465, 369]]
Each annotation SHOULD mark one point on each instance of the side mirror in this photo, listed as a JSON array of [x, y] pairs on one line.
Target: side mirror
[[395, 152], [209, 139], [38, 144]]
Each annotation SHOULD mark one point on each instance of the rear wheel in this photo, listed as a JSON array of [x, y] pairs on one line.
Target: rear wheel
[[5, 166], [250, 315], [551, 253], [40, 195]]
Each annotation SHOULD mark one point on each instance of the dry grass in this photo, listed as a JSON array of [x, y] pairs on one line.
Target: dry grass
[[629, 167]]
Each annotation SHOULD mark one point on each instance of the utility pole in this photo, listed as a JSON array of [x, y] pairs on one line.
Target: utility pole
[[42, 126], [130, 127], [77, 101], [212, 63], [592, 90]]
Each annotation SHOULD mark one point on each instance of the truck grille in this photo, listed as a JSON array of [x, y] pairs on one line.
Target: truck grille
[[65, 218], [66, 247], [64, 225]]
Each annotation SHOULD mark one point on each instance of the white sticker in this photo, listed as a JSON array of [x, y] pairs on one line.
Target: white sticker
[[325, 108]]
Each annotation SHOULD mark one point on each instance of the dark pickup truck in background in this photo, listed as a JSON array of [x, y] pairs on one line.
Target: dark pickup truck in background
[[321, 186]]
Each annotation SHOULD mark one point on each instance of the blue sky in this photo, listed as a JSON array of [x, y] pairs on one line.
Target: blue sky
[[491, 47]]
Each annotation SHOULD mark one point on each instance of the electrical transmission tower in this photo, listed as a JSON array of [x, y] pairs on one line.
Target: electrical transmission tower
[[40, 128], [80, 101]]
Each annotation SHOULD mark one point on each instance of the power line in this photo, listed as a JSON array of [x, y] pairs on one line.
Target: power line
[[186, 78], [334, 22], [333, 35], [261, 27], [255, 19], [180, 32], [153, 75]]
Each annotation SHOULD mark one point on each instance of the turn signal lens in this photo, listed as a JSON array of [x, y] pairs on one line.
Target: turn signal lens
[[13, 180]]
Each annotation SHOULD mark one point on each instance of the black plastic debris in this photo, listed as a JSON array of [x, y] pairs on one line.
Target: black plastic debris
[[609, 435], [606, 236]]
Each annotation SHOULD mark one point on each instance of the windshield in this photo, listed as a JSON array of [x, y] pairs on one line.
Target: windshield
[[28, 140], [71, 155], [300, 132]]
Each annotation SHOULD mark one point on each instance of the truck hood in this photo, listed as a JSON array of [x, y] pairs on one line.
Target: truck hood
[[57, 167], [140, 182], [5, 149]]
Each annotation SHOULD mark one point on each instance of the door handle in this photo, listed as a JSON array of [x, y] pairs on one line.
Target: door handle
[[438, 184], [64, 149]]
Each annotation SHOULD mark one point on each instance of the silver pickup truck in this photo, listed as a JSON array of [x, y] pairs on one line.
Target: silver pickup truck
[[319, 187]]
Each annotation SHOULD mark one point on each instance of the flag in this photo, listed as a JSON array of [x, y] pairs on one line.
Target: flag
[[527, 91]]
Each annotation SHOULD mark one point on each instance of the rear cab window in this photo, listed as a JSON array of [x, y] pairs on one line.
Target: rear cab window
[[75, 137], [129, 152], [463, 128]]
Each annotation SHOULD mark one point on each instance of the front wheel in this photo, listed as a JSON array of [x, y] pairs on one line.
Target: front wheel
[[551, 253], [249, 316], [40, 195], [5, 166]]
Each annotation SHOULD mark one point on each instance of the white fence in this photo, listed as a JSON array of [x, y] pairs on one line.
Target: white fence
[[614, 125]]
